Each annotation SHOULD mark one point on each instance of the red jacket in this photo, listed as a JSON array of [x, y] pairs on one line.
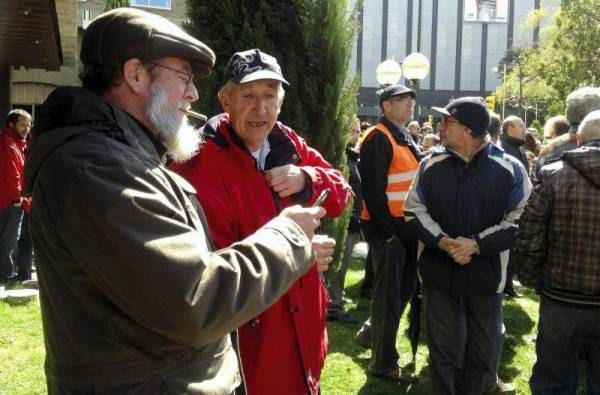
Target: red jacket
[[12, 158], [283, 349]]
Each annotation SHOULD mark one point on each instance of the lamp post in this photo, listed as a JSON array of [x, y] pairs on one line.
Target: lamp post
[[415, 68], [496, 70]]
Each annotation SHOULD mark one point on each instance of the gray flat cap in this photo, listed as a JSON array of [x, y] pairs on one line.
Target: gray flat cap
[[581, 102], [124, 33]]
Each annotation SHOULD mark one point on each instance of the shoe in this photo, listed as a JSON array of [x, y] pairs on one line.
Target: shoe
[[502, 388], [511, 293], [341, 315], [363, 339], [31, 284], [397, 375]]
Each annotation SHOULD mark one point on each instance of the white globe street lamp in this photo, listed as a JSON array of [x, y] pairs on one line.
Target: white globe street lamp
[[388, 72], [415, 68]]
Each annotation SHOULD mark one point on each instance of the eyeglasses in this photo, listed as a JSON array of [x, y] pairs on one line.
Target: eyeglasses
[[189, 76], [402, 99], [446, 120]]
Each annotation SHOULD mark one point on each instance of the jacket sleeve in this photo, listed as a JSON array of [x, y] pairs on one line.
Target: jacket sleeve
[[354, 180], [375, 157], [532, 236], [129, 229], [502, 236], [322, 175], [11, 171], [416, 213]]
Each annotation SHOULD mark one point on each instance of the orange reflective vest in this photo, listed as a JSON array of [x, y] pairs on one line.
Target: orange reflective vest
[[401, 172]]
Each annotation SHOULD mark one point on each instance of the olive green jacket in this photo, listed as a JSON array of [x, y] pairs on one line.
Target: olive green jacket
[[133, 300]]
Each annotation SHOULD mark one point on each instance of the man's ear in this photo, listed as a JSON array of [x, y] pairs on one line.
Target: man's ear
[[136, 76], [385, 106], [224, 100]]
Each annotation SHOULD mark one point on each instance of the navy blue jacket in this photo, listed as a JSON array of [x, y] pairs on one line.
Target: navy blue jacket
[[482, 199]]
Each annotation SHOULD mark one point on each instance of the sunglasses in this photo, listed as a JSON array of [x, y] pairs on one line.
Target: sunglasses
[[446, 120]]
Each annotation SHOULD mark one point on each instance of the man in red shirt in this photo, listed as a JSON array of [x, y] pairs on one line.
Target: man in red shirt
[[12, 205], [250, 167]]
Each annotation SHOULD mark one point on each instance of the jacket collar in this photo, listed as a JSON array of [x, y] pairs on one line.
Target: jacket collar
[[403, 137], [72, 111], [593, 143], [487, 149], [283, 151], [505, 138], [73, 106]]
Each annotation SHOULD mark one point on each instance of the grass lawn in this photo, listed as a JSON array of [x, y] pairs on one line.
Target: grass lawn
[[346, 365], [22, 349]]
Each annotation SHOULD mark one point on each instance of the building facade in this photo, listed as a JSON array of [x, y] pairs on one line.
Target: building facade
[[463, 46], [31, 87], [464, 41]]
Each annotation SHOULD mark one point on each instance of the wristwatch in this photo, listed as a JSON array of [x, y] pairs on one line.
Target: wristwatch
[[475, 247]]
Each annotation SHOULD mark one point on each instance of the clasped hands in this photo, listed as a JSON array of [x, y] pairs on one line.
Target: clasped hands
[[461, 249]]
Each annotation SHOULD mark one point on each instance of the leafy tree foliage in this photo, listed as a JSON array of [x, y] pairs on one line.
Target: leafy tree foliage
[[112, 4], [523, 88], [312, 41], [568, 57]]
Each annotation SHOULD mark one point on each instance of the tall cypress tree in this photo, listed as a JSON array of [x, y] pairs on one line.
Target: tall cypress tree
[[312, 40]]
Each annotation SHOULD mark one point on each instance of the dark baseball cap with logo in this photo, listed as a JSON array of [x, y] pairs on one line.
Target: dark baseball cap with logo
[[471, 111], [394, 90], [252, 65]]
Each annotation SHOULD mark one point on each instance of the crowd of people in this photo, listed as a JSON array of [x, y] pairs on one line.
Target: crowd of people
[[474, 227], [172, 260]]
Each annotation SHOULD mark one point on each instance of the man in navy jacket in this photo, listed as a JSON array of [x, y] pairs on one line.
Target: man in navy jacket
[[464, 204]]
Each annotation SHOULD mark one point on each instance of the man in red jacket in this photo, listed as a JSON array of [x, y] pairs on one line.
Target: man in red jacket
[[12, 150], [250, 168]]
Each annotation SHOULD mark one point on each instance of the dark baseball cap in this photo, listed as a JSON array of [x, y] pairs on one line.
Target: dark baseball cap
[[252, 65], [471, 111], [394, 90], [124, 33]]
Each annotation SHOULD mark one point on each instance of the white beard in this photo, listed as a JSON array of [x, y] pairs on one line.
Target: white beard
[[180, 138]]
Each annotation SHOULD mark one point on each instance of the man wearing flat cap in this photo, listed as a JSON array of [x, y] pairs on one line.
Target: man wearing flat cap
[[133, 299], [464, 205], [557, 247], [389, 159], [578, 104], [250, 168]]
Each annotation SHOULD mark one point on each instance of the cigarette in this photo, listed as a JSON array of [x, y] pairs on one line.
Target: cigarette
[[195, 115]]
